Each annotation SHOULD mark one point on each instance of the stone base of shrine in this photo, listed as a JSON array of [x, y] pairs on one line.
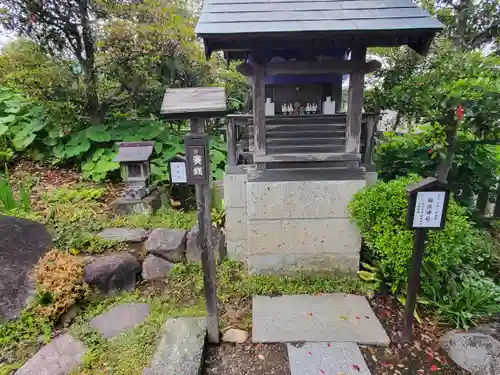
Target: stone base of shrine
[[279, 227]]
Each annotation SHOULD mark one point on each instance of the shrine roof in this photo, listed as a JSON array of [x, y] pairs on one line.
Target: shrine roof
[[236, 18]]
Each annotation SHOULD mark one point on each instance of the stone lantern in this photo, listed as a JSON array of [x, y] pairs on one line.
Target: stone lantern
[[134, 159]]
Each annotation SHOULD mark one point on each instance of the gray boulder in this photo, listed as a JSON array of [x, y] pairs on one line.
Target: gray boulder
[[193, 249], [22, 244], [475, 352], [154, 268], [169, 244], [112, 273], [124, 234]]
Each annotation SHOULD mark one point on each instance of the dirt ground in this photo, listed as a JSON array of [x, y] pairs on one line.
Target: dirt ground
[[420, 357], [246, 359]]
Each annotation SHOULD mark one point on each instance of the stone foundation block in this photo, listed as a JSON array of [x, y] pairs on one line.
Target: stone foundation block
[[236, 223], [300, 199], [303, 236], [272, 264], [237, 249], [235, 189], [146, 206]]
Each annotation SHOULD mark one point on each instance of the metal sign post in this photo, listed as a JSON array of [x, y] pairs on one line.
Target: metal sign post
[[427, 206], [198, 174]]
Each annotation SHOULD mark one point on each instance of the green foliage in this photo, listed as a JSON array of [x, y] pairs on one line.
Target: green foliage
[[474, 168], [75, 194], [7, 194], [467, 299], [235, 284], [20, 339], [166, 217], [380, 211], [461, 264]]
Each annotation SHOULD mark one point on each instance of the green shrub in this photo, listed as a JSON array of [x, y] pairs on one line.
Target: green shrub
[[380, 212], [466, 299]]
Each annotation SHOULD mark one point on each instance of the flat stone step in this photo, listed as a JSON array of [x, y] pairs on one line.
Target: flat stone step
[[332, 358], [59, 357], [180, 349], [325, 318]]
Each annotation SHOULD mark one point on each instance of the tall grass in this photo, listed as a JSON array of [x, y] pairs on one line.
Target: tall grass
[[8, 200]]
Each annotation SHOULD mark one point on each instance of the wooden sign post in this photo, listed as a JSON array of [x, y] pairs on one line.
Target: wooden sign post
[[197, 104], [427, 206]]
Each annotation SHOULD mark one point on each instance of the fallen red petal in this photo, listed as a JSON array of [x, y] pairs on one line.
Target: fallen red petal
[[356, 367], [310, 314], [322, 371], [358, 318], [329, 344], [309, 353]]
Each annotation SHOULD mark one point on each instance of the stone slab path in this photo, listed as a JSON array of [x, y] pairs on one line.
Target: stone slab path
[[58, 357], [181, 348], [120, 318], [325, 318], [326, 358]]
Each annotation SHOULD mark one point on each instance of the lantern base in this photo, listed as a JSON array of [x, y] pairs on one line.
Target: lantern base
[[145, 206]]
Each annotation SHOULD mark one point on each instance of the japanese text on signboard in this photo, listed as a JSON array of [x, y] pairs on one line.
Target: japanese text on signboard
[[429, 209]]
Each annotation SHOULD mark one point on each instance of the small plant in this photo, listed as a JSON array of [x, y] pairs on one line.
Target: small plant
[[467, 299], [7, 195], [59, 278], [81, 194]]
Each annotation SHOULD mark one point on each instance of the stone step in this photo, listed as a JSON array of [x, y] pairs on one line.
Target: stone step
[[305, 149], [326, 358], [180, 350], [59, 357], [299, 141], [325, 318]]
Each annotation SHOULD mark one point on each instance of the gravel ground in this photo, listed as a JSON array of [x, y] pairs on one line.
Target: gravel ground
[[246, 359]]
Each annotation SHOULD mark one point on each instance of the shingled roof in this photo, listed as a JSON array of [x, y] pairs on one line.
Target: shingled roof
[[233, 17]]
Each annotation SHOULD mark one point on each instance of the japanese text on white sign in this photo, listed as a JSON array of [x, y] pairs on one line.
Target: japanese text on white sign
[[429, 209]]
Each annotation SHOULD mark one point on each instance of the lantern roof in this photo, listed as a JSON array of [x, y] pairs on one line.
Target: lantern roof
[[134, 151]]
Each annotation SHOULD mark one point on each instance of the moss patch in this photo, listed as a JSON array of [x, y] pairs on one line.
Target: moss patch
[[132, 350]]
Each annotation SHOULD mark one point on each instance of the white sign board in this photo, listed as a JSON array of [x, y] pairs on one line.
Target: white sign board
[[429, 209], [178, 172]]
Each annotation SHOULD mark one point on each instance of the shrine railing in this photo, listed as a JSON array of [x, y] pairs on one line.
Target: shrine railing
[[239, 137]]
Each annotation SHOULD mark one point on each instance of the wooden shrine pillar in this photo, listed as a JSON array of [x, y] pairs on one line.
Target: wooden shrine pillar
[[355, 102], [259, 107]]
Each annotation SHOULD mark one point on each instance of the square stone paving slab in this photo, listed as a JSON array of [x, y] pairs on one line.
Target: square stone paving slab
[[120, 318], [334, 317], [59, 357], [326, 358]]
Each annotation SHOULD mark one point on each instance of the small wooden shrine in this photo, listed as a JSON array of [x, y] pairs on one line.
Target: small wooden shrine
[[286, 209]]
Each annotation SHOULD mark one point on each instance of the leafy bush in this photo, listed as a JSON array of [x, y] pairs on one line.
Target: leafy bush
[[59, 279], [467, 299], [380, 212], [475, 167]]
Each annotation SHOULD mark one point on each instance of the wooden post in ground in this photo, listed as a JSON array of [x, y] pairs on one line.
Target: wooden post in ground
[[196, 104]]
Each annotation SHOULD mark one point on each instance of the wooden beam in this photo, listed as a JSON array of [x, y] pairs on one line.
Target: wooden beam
[[355, 103], [322, 67], [259, 110]]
